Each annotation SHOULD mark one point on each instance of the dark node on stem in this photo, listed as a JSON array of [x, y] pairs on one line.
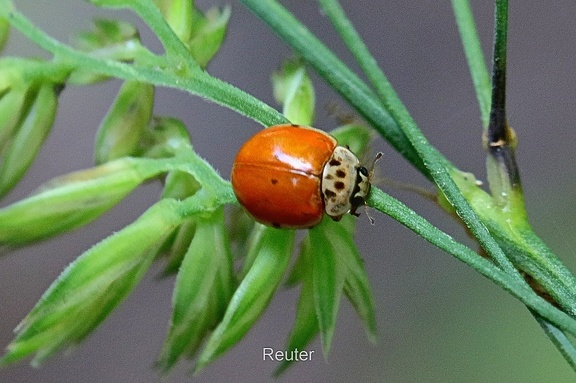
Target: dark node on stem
[[500, 139], [504, 155]]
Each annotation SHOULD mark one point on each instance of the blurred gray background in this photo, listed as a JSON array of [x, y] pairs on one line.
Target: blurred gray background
[[438, 320]]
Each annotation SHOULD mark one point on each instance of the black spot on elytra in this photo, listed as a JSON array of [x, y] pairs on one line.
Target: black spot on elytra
[[274, 181], [329, 193], [340, 173], [339, 185], [329, 177], [334, 162]]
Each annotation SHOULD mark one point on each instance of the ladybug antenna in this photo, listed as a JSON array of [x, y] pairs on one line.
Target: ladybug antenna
[[372, 221], [374, 161], [370, 175]]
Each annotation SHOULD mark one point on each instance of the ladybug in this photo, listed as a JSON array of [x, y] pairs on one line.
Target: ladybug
[[286, 176]]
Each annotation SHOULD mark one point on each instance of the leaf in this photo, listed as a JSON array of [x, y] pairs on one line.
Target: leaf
[[70, 201], [29, 137], [92, 286], [306, 325], [252, 295], [200, 295], [208, 32], [329, 274]]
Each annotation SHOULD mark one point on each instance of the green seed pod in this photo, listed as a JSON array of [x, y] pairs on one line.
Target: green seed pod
[[29, 137], [208, 33], [179, 185], [4, 32], [164, 137], [11, 106], [252, 296], [178, 14], [203, 288], [120, 131], [70, 201], [293, 89], [92, 286]]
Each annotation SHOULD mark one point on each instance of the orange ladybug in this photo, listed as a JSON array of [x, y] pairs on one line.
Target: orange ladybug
[[286, 176]]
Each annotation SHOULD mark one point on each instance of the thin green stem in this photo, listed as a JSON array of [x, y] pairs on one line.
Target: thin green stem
[[560, 340], [196, 82], [434, 161], [474, 56], [344, 81], [409, 218]]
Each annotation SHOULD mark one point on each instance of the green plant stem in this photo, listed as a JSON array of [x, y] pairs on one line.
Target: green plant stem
[[474, 56], [409, 218], [498, 124], [344, 81], [196, 82], [481, 81], [434, 161]]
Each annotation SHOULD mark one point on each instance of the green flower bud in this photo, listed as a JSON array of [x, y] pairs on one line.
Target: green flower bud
[[29, 137], [92, 286], [11, 106], [355, 136], [70, 201], [203, 288], [253, 294], [178, 14], [293, 89], [179, 185], [208, 32], [165, 137], [4, 32], [110, 39], [120, 131], [11, 76]]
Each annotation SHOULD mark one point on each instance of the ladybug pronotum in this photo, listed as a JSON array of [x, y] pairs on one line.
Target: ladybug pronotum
[[286, 176]]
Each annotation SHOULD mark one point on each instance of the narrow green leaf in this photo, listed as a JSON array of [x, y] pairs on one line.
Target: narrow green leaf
[[438, 166], [561, 341], [198, 305], [93, 285], [344, 81], [474, 56], [406, 216], [306, 324], [252, 295], [329, 274], [356, 286]]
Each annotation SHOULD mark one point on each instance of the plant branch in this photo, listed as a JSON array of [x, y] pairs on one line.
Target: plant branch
[[409, 218], [196, 82], [474, 56], [435, 162], [336, 73]]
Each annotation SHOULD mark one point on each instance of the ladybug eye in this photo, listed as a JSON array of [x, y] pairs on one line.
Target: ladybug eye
[[363, 171]]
